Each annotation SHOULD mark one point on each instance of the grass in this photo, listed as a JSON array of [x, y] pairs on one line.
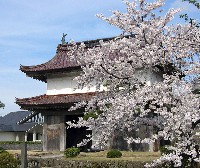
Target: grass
[[131, 156], [98, 156]]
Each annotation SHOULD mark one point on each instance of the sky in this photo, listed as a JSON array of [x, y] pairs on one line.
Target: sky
[[31, 30]]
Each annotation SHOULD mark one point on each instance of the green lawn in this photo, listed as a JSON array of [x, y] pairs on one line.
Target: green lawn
[[131, 156]]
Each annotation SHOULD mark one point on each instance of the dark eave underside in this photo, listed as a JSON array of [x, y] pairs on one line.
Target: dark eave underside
[[42, 75]]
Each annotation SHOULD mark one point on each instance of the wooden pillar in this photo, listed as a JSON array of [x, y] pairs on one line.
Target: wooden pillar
[[54, 134], [44, 138], [63, 134]]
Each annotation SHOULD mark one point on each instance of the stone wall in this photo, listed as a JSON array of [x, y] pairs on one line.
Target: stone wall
[[118, 142]]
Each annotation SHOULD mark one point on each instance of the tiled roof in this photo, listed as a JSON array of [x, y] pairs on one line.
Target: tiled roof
[[61, 62], [53, 101], [13, 117], [8, 123]]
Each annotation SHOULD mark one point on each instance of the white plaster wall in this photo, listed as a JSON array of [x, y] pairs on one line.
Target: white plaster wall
[[148, 76], [7, 136], [64, 84]]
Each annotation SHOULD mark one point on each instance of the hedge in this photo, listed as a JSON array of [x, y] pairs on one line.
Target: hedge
[[19, 142], [70, 163]]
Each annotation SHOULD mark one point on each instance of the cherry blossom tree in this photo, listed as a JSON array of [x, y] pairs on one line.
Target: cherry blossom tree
[[122, 70]]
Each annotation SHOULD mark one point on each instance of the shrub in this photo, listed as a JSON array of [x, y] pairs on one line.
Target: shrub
[[1, 150], [114, 154], [7, 160], [19, 142], [72, 152]]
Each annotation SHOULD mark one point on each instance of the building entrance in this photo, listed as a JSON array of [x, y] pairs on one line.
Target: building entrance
[[76, 135]]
